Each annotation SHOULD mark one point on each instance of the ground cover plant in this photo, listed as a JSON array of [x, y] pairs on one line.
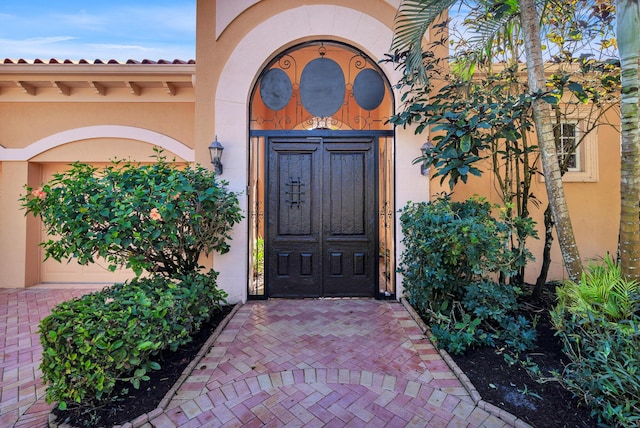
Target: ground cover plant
[[598, 320], [586, 356], [531, 388]]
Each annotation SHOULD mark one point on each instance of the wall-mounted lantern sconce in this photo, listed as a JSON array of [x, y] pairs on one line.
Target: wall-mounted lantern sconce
[[424, 149], [215, 151]]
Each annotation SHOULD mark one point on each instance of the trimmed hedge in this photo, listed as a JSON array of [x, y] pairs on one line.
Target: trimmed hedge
[[91, 342]]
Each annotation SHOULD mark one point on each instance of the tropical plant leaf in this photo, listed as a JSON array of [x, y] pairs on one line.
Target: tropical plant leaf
[[494, 25], [413, 19]]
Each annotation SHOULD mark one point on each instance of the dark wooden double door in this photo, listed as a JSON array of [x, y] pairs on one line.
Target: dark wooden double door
[[321, 217]]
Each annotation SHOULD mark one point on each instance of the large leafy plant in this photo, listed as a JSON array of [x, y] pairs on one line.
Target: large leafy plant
[[158, 217]]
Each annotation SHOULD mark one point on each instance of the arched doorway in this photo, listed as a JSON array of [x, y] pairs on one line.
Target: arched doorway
[[321, 175]]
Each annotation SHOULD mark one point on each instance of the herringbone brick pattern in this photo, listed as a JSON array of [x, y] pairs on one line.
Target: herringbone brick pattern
[[333, 362], [350, 362]]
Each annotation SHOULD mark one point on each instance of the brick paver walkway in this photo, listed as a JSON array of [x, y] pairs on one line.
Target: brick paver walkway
[[318, 363], [328, 362]]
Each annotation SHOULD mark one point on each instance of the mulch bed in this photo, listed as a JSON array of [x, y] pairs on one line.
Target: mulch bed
[[515, 390]]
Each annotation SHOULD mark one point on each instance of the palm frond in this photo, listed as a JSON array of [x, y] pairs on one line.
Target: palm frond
[[602, 290], [494, 23], [413, 19]]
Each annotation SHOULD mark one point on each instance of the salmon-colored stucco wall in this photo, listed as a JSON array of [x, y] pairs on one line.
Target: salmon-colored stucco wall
[[25, 123]]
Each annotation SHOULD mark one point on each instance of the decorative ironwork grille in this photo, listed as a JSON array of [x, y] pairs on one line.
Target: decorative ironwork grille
[[321, 85], [295, 192]]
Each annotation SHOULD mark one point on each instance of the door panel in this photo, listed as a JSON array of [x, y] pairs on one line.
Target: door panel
[[293, 228], [321, 229], [349, 228]]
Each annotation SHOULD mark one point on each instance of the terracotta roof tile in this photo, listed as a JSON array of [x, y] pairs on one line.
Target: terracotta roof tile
[[96, 61]]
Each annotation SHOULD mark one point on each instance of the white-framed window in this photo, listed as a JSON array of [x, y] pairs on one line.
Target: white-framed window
[[583, 161], [568, 137]]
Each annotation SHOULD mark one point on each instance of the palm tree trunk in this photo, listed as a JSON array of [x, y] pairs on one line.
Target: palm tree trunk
[[544, 127], [628, 28]]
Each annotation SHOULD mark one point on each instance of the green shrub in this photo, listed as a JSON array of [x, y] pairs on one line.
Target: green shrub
[[91, 342], [456, 264], [486, 315], [598, 321], [258, 257], [158, 217]]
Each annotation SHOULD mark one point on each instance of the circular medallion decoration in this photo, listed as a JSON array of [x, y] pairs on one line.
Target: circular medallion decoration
[[275, 89], [322, 87], [368, 89]]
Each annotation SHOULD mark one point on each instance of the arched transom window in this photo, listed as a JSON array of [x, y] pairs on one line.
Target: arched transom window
[[321, 85]]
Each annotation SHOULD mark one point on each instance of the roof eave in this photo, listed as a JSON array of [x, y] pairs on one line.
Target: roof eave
[[98, 69]]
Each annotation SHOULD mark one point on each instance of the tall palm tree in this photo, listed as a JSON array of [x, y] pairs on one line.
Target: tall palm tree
[[414, 18], [628, 28]]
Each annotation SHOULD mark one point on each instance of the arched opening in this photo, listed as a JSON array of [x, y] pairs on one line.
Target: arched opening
[[321, 175]]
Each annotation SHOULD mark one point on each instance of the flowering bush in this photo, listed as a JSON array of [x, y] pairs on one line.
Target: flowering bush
[[158, 217]]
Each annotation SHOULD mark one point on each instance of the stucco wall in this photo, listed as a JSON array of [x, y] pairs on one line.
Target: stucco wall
[[38, 136], [25, 123]]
